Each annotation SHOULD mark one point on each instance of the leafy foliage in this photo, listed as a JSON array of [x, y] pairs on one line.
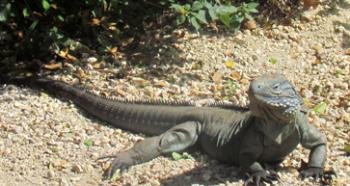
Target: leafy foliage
[[42, 28], [38, 26], [202, 12]]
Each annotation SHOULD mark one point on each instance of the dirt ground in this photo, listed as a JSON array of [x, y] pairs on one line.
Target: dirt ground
[[47, 141]]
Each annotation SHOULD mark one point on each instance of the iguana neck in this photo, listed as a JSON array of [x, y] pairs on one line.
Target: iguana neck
[[276, 131]]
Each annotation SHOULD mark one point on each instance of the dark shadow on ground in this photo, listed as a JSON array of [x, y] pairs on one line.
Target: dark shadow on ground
[[213, 174], [205, 175], [346, 38], [334, 7]]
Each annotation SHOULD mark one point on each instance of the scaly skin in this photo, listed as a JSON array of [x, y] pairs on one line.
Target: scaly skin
[[275, 123]]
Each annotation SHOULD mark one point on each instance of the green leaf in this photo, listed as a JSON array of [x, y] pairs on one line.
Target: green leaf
[[116, 176], [176, 156], [5, 12], [180, 19], [25, 12], [347, 148], [320, 108], [201, 16], [273, 61], [340, 72], [46, 5], [197, 5], [251, 7], [226, 19], [195, 23], [176, 7], [60, 17], [88, 143], [212, 14], [187, 155]]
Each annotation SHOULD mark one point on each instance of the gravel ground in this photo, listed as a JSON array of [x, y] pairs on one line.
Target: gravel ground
[[47, 141]]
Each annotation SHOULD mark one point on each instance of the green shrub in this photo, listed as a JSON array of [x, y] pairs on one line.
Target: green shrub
[[201, 12], [39, 26]]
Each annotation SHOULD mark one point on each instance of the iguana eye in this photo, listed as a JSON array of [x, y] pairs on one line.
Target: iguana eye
[[276, 86]]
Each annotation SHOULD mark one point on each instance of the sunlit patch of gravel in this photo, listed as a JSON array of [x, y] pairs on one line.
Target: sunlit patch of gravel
[[47, 141]]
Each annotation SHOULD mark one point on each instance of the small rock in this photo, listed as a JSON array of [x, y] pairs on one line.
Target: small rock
[[92, 60], [207, 175], [77, 168], [51, 174]]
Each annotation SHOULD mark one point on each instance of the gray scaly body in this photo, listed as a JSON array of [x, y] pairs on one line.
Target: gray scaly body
[[275, 123]]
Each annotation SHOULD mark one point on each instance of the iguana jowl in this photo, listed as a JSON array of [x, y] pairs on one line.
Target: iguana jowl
[[275, 123]]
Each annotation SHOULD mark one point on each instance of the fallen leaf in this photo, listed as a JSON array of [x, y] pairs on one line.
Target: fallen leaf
[[176, 156], [63, 53], [230, 64], [113, 51], [161, 84], [228, 52], [53, 66], [95, 21], [308, 103], [347, 148], [273, 61], [139, 81], [217, 77], [236, 75], [320, 108], [347, 51], [249, 24], [71, 58], [310, 3]]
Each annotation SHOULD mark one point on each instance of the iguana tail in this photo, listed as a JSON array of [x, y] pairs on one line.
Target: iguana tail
[[145, 117]]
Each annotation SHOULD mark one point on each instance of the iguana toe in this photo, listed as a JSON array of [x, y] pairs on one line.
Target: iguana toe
[[315, 172], [259, 177], [122, 161]]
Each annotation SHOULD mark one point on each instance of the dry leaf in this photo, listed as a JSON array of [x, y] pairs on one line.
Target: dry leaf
[[228, 52], [63, 53], [244, 81], [217, 77], [161, 84], [347, 51], [310, 3], [249, 24], [230, 64], [53, 66], [95, 21], [139, 81], [235, 75], [71, 58], [112, 51], [97, 65], [120, 92]]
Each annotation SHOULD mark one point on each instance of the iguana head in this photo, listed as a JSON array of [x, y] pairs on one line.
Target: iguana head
[[273, 96]]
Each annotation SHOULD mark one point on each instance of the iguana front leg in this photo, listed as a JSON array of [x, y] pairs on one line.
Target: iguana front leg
[[314, 140], [248, 156], [175, 139], [315, 166], [257, 174]]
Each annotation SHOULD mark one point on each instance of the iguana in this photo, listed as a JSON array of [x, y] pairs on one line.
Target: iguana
[[274, 123]]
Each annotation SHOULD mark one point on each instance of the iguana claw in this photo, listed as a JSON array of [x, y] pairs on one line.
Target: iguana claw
[[122, 161], [261, 176], [315, 172], [326, 177]]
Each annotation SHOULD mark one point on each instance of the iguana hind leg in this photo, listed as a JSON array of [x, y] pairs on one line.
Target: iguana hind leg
[[176, 139]]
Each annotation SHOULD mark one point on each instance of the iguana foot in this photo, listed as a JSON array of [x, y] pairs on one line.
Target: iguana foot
[[315, 172], [326, 177], [122, 161], [261, 176]]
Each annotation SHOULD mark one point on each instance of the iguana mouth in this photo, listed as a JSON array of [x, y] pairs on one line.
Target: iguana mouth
[[274, 92]]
